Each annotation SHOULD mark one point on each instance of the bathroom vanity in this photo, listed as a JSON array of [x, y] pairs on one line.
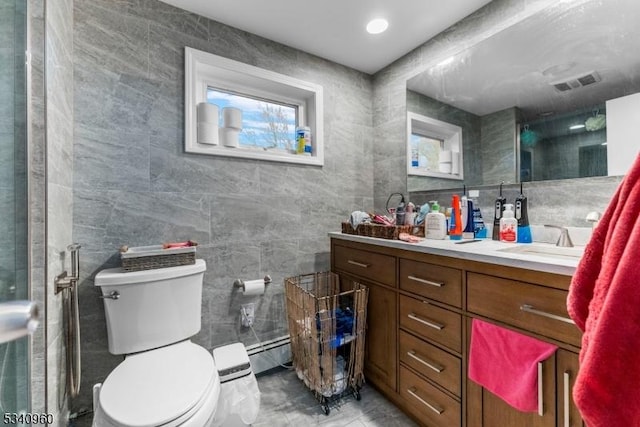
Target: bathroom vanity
[[422, 300]]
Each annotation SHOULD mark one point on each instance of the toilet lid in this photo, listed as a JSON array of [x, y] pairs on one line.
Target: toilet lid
[[155, 387]]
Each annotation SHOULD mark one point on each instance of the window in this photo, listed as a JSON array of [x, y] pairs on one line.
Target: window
[[266, 125], [434, 148], [272, 106]]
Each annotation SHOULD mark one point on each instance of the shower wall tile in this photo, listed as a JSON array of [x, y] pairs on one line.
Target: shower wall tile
[[36, 177], [134, 184], [59, 183]]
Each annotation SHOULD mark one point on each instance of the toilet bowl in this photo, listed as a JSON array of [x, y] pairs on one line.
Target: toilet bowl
[[177, 385], [165, 379]]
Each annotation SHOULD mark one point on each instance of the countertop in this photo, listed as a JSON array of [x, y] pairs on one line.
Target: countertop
[[483, 250]]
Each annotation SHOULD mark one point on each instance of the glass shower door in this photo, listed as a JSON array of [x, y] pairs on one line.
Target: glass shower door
[[14, 266]]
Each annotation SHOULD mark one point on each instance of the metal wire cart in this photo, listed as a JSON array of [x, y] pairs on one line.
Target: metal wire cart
[[327, 329]]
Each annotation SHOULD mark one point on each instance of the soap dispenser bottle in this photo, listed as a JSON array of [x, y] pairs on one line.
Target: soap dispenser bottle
[[498, 209], [524, 230], [508, 225], [436, 223]]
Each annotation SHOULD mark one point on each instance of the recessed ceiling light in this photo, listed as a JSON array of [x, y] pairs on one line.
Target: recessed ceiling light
[[574, 127], [377, 26]]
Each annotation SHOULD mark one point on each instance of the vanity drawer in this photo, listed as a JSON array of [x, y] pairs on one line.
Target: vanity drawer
[[434, 323], [430, 405], [370, 265], [535, 308], [432, 362], [432, 281]]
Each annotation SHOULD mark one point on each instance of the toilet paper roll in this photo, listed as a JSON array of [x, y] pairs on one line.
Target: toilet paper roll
[[208, 113], [208, 133], [232, 117], [230, 137], [253, 287], [444, 167], [445, 156]]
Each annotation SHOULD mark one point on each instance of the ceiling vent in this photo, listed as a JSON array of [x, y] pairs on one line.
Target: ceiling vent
[[576, 82]]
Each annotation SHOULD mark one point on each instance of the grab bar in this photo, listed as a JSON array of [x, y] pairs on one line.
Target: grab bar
[[68, 284]]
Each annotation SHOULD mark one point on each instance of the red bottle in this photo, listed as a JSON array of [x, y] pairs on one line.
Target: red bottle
[[455, 227]]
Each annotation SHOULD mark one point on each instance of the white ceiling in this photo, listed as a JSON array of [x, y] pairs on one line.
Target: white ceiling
[[335, 29]]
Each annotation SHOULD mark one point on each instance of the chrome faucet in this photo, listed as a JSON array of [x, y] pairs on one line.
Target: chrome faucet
[[563, 240]]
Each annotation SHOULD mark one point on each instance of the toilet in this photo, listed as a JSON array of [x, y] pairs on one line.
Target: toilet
[[165, 379]]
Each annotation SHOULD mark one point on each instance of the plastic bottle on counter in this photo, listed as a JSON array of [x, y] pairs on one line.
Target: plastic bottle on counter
[[508, 225], [436, 223], [455, 223]]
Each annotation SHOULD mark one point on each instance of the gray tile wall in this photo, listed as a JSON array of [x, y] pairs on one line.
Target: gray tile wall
[[563, 201], [59, 129], [37, 189], [566, 202], [498, 146], [133, 184]]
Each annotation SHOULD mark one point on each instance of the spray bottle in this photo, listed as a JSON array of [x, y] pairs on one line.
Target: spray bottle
[[524, 230], [498, 210]]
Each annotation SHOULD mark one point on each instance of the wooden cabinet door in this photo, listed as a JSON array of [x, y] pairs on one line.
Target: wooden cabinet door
[[380, 360], [566, 371], [485, 409]]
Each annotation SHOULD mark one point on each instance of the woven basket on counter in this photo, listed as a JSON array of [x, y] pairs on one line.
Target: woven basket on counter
[[151, 257], [381, 231]]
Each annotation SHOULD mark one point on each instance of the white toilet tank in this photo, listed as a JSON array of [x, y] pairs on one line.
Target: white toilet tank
[[153, 307]]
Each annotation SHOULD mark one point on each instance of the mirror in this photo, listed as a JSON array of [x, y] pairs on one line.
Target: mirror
[[554, 96]]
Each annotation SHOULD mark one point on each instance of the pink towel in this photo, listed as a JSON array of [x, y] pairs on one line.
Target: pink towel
[[506, 363], [604, 301]]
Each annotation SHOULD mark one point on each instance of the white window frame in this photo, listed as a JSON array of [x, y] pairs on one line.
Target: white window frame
[[203, 70], [436, 129]]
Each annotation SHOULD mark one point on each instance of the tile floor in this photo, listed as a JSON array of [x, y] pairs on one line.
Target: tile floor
[[286, 402]]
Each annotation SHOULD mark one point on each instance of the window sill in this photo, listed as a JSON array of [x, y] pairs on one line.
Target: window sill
[[256, 154]]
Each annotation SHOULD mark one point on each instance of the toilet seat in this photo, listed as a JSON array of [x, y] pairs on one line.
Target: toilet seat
[[163, 387]]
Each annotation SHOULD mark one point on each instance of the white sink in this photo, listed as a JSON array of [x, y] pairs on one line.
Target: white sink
[[550, 251]]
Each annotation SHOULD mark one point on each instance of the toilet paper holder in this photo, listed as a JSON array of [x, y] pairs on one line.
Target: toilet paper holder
[[239, 283]]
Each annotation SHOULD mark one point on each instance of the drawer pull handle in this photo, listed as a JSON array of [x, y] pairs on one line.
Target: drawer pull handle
[[530, 309], [426, 322], [425, 281], [358, 264], [567, 398], [438, 410], [540, 391], [432, 366]]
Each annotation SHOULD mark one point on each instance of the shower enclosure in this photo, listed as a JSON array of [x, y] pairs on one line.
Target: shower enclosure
[[14, 265]]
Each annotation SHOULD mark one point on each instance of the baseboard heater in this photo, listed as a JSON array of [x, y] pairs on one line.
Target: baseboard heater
[[269, 354]]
